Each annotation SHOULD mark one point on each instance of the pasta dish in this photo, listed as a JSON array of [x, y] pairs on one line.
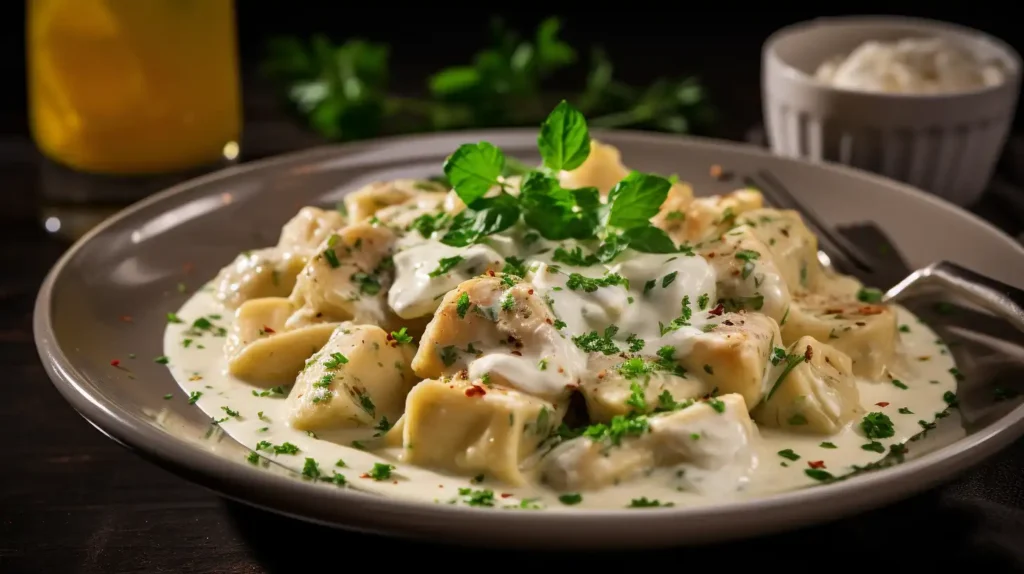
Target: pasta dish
[[576, 334]]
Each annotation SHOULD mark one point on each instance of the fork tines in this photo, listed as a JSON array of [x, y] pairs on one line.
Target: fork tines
[[843, 254]]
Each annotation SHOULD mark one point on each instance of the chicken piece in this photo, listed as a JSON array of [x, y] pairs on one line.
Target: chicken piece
[[671, 216], [867, 332], [812, 390], [348, 279], [471, 428], [365, 202], [731, 353], [636, 385], [496, 326], [708, 217], [793, 247], [425, 272], [260, 348], [748, 276], [255, 274], [710, 442], [359, 378], [602, 169]]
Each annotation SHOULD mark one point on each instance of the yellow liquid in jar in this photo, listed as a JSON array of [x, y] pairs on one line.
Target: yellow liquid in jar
[[133, 86]]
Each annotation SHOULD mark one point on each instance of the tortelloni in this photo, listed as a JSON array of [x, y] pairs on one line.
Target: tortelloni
[[271, 272], [498, 327], [368, 201], [710, 441], [470, 427], [864, 331], [546, 357], [359, 378], [813, 390], [262, 350], [348, 279]]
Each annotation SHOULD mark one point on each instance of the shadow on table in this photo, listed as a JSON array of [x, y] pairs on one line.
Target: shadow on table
[[928, 531]]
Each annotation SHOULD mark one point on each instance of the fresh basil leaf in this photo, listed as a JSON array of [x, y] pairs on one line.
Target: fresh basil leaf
[[649, 239], [549, 208], [474, 169], [564, 140], [636, 199], [488, 216], [611, 247], [587, 198]]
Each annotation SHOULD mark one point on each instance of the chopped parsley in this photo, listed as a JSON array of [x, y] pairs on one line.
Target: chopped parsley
[[311, 469], [446, 264], [462, 305], [593, 343], [789, 454], [877, 425], [571, 499], [336, 360], [578, 282], [381, 471], [401, 336]]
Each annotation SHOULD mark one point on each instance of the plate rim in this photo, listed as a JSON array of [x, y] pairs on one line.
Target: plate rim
[[281, 494]]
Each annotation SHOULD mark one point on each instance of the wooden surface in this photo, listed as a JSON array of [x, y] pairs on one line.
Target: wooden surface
[[71, 500]]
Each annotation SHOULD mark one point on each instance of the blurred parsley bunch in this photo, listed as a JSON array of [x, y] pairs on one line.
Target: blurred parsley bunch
[[342, 90]]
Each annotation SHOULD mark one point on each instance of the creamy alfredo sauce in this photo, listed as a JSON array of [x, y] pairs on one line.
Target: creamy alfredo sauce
[[771, 461]]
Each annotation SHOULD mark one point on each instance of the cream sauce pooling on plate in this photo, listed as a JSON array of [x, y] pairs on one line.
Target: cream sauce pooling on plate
[[414, 349], [200, 370]]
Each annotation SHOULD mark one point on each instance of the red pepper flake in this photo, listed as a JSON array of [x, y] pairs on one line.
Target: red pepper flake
[[506, 494], [710, 255], [268, 330], [475, 391], [364, 475], [816, 463], [115, 363], [718, 310], [716, 171], [882, 404], [127, 318], [530, 292], [187, 268], [490, 272]]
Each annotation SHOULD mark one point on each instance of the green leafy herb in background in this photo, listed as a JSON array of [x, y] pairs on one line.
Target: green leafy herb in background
[[342, 90]]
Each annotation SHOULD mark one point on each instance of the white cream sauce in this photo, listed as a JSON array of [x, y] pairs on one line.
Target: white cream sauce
[[910, 66], [725, 469]]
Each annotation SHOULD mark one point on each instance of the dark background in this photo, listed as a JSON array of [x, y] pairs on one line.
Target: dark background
[[71, 500], [721, 46]]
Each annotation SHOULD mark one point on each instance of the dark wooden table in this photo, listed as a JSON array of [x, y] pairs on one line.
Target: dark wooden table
[[72, 500]]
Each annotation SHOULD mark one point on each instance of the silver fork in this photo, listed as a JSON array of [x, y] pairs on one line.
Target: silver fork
[[836, 251]]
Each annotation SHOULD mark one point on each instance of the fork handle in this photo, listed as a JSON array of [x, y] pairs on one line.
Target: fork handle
[[994, 296]]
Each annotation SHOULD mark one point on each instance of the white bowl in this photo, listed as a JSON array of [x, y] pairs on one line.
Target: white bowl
[[947, 143]]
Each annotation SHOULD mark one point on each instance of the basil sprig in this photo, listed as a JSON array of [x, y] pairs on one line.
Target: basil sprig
[[556, 213]]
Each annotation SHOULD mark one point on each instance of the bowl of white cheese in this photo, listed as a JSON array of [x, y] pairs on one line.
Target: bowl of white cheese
[[924, 102]]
